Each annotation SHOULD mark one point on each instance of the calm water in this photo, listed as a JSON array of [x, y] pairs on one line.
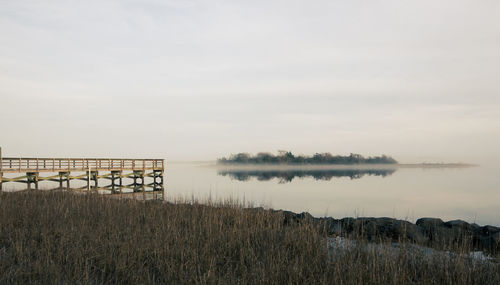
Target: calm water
[[471, 194]]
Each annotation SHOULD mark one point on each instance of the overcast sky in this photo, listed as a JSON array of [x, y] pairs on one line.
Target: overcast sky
[[196, 80]]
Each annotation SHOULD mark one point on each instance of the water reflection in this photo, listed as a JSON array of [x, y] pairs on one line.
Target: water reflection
[[286, 176]]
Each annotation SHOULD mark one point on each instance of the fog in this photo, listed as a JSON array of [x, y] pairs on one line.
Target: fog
[[198, 80]]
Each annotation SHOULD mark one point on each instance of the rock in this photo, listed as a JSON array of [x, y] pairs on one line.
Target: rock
[[426, 231], [377, 229], [348, 223], [496, 241], [305, 215], [429, 223], [325, 224], [458, 224], [491, 242], [289, 218], [409, 231], [488, 230], [335, 228]]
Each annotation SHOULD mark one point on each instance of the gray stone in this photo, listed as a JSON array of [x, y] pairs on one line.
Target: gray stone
[[429, 222], [458, 224], [335, 228], [488, 230], [409, 231], [491, 242], [304, 215]]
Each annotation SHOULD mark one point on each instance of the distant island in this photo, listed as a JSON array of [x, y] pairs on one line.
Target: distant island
[[286, 157]]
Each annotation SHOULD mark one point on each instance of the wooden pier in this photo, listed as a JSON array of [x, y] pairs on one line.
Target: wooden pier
[[90, 170]]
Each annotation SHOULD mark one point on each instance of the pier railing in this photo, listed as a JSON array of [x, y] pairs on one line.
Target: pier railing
[[116, 170], [16, 165]]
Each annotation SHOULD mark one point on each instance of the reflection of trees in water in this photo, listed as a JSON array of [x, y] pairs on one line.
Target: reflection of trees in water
[[288, 175]]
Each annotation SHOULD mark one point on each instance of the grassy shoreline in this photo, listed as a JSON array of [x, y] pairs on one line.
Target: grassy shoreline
[[67, 238]]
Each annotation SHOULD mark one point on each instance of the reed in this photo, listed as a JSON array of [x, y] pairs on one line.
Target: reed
[[60, 237]]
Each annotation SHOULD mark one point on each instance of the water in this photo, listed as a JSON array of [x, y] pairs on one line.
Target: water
[[471, 194]]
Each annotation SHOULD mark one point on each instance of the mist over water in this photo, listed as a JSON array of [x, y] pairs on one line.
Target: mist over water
[[467, 193]]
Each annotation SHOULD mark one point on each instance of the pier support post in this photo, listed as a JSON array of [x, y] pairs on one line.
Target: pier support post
[[61, 175], [157, 180], [138, 174], [162, 175], [154, 180], [32, 177], [88, 180], [143, 178], [134, 185], [1, 175], [67, 180], [162, 181], [64, 176], [121, 181], [96, 177], [112, 181], [92, 176], [115, 174]]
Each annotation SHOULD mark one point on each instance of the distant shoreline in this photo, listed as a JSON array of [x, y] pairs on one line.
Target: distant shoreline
[[270, 167]]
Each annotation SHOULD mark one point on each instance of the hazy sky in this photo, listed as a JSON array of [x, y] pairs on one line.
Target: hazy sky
[[419, 80]]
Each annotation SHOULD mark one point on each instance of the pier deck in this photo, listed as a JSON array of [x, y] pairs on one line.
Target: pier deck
[[20, 165], [115, 169]]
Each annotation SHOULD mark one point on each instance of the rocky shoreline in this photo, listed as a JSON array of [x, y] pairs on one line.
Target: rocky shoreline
[[432, 232]]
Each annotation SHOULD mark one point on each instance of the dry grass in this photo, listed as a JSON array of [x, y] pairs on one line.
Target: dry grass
[[66, 238]]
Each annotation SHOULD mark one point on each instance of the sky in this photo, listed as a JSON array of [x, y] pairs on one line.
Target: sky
[[200, 79]]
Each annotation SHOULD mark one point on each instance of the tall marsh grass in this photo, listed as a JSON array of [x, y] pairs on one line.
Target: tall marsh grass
[[68, 238]]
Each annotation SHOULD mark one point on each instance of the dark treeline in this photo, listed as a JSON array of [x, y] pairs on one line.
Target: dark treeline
[[286, 157], [288, 175]]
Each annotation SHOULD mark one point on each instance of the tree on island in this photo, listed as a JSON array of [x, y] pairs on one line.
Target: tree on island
[[287, 157]]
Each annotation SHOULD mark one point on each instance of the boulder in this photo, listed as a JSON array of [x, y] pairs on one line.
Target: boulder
[[488, 230], [407, 230], [305, 216], [426, 231], [458, 224], [335, 228], [289, 218], [427, 223], [377, 228], [491, 242]]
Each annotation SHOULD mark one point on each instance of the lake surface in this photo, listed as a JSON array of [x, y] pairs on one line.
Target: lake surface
[[471, 194]]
